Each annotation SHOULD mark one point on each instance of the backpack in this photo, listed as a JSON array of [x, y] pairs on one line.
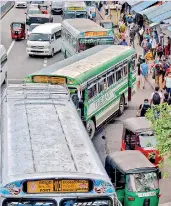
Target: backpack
[[156, 98], [144, 109]]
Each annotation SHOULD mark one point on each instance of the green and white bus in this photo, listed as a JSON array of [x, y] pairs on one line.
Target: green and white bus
[[72, 10], [81, 34], [102, 81]]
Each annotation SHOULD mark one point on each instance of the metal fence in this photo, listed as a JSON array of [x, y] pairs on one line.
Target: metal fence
[[5, 6]]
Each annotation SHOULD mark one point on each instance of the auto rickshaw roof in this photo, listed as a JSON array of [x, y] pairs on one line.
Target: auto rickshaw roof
[[41, 15], [130, 162], [136, 123]]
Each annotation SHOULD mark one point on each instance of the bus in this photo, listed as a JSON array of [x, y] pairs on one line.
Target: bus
[[75, 9], [47, 158], [91, 7], [102, 80], [3, 66], [81, 34]]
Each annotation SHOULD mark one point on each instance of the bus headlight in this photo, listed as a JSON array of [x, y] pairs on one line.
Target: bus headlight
[[27, 79]]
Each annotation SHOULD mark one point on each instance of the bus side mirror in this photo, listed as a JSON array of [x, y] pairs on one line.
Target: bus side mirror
[[159, 175]]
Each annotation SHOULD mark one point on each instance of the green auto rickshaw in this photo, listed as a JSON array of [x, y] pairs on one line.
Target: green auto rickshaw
[[135, 178]]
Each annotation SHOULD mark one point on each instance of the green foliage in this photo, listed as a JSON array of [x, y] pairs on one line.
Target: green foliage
[[160, 118]]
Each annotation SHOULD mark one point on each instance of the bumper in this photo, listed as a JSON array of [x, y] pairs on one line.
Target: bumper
[[40, 52], [57, 10]]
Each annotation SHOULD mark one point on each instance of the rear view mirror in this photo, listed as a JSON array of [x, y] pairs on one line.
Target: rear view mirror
[[0, 71], [159, 175]]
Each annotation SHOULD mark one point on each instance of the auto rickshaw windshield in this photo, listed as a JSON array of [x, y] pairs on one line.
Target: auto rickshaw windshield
[[16, 26], [147, 139], [107, 25], [143, 182]]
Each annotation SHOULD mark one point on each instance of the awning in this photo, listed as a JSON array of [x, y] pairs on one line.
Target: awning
[[159, 11], [148, 10], [167, 21], [162, 17], [142, 6]]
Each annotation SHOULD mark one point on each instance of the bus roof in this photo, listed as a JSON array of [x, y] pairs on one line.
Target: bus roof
[[82, 67], [82, 25], [78, 4], [43, 136], [46, 28]]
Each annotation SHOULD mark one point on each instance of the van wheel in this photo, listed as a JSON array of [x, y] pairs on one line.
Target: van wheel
[[90, 126], [121, 105], [30, 55], [52, 54]]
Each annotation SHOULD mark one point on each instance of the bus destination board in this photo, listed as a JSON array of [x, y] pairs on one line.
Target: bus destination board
[[75, 8], [95, 33], [49, 79], [57, 186]]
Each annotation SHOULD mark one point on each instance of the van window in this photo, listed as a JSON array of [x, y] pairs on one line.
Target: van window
[[58, 34]]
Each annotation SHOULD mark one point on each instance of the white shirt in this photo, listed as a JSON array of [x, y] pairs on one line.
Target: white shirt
[[153, 43], [106, 6]]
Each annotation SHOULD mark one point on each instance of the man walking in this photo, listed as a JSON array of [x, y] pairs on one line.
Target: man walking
[[156, 97], [153, 47], [144, 73]]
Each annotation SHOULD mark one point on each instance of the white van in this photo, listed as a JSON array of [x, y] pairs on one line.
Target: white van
[[44, 40], [3, 66]]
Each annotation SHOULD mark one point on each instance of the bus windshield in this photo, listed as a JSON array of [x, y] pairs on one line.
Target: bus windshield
[[28, 202], [87, 43], [143, 182], [39, 37], [73, 14]]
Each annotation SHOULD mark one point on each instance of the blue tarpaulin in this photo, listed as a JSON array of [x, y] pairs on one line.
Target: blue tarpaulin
[[162, 17], [159, 11], [148, 10], [142, 6]]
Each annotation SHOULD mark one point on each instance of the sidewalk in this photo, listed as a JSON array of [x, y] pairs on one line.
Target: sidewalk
[[137, 47]]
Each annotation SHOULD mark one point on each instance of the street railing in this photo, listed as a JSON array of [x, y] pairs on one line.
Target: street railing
[[5, 6]]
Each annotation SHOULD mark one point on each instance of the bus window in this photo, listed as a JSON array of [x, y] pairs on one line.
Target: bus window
[[92, 91], [118, 74], [125, 70], [110, 80], [101, 86]]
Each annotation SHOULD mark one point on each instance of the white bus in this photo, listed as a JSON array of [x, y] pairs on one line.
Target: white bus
[[3, 66], [47, 157], [82, 34]]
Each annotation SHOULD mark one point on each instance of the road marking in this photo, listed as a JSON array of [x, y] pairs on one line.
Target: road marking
[[45, 62], [12, 44]]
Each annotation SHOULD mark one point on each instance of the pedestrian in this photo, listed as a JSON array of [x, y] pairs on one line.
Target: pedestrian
[[138, 75], [144, 45], [167, 83], [161, 76], [144, 73], [124, 43], [166, 97], [147, 34], [132, 37], [159, 51], [153, 46], [165, 65], [149, 57], [148, 44], [143, 108], [141, 32], [156, 97], [169, 101], [106, 9]]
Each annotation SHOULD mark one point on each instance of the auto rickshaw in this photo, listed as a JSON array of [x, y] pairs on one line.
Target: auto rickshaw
[[138, 135], [135, 179], [18, 30], [43, 9], [107, 24]]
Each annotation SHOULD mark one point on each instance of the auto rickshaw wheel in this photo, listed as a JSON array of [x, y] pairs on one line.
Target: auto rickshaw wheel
[[90, 126], [121, 105]]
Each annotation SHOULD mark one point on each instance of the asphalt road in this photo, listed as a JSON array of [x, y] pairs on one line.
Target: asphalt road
[[20, 64]]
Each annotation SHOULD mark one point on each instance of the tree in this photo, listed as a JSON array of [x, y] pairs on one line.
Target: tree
[[160, 118]]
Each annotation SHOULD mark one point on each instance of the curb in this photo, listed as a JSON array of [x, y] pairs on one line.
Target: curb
[[7, 10]]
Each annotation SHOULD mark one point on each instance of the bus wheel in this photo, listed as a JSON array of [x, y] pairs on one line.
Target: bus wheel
[[121, 105], [91, 128]]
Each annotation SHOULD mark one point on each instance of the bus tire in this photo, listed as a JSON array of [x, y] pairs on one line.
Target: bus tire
[[121, 105], [65, 56], [91, 128]]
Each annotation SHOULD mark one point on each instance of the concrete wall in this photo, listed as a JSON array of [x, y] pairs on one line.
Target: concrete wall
[[5, 6]]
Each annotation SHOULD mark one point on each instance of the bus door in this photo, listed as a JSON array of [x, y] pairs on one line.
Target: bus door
[[130, 68]]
